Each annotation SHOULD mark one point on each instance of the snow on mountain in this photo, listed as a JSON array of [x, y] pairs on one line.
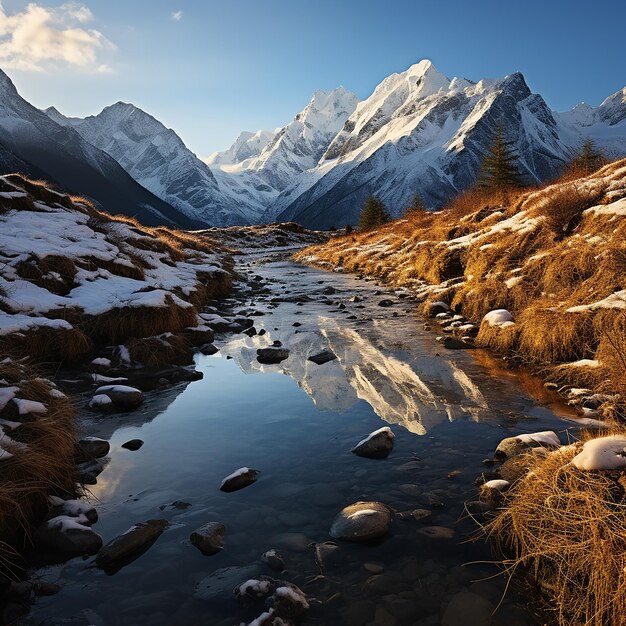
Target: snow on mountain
[[422, 133], [34, 144], [605, 124], [246, 146], [419, 132], [158, 159]]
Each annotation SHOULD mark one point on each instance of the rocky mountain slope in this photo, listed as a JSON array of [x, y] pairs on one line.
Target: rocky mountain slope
[[34, 144], [419, 132], [422, 133], [157, 158]]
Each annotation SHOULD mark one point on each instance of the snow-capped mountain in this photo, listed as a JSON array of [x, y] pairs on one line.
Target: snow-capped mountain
[[246, 146], [157, 158], [419, 132], [32, 143]]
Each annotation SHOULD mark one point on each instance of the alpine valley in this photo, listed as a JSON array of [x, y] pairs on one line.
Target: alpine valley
[[419, 132]]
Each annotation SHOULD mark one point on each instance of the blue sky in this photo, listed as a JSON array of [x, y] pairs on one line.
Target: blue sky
[[209, 69]]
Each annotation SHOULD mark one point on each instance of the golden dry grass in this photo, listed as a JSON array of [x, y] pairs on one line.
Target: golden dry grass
[[564, 529], [538, 254], [45, 467]]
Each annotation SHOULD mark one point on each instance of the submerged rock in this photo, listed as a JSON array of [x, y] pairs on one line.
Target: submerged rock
[[452, 343], [208, 349], [323, 357], [376, 445], [219, 585], [328, 555], [239, 479], [362, 521], [273, 560], [130, 545], [271, 356], [209, 539]]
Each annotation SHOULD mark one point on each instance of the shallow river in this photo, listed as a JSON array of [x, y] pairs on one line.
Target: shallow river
[[296, 422]]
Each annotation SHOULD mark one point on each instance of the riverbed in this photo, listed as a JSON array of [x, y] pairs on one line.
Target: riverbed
[[296, 423]]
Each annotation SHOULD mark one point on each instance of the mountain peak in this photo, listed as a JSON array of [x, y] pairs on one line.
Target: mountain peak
[[6, 84]]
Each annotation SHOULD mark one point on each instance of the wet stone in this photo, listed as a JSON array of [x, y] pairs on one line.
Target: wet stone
[[273, 560], [209, 539], [322, 357], [130, 545], [377, 445], [271, 356], [239, 479], [133, 444], [362, 521], [93, 447]]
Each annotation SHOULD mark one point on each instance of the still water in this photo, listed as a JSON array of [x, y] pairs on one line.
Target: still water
[[296, 422]]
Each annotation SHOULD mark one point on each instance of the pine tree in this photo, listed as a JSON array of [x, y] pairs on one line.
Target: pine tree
[[587, 160], [499, 173], [416, 205], [373, 214]]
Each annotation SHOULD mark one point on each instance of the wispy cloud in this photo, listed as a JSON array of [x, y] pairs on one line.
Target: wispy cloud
[[41, 38], [177, 16]]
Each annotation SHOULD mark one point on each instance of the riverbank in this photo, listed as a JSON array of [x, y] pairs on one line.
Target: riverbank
[[550, 262], [539, 281]]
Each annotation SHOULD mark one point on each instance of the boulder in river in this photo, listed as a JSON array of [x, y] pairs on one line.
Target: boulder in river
[[376, 445], [452, 343], [239, 479], [68, 536], [122, 396], [133, 445], [323, 357], [271, 356], [512, 446], [73, 508], [254, 589], [432, 309], [130, 545], [93, 447], [288, 601], [386, 303], [209, 539], [362, 521]]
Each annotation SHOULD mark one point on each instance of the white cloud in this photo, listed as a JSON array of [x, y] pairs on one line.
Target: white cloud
[[177, 16], [41, 38]]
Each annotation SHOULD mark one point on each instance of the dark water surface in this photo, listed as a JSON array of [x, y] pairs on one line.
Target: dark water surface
[[296, 422]]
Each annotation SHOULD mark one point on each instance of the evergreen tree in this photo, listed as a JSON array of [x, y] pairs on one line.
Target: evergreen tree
[[416, 205], [373, 214], [499, 172], [587, 160]]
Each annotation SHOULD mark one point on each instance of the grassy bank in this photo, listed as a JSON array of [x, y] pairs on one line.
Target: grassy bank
[[555, 258], [77, 283]]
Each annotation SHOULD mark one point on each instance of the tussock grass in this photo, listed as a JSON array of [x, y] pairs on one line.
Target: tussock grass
[[537, 254], [45, 467], [160, 350], [565, 529], [47, 345]]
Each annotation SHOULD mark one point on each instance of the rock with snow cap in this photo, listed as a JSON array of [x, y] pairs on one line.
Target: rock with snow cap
[[122, 396], [239, 479], [511, 446], [93, 447], [362, 521], [376, 445], [254, 589], [68, 536], [274, 560]]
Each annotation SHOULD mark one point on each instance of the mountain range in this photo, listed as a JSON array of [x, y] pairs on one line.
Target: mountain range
[[419, 132]]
